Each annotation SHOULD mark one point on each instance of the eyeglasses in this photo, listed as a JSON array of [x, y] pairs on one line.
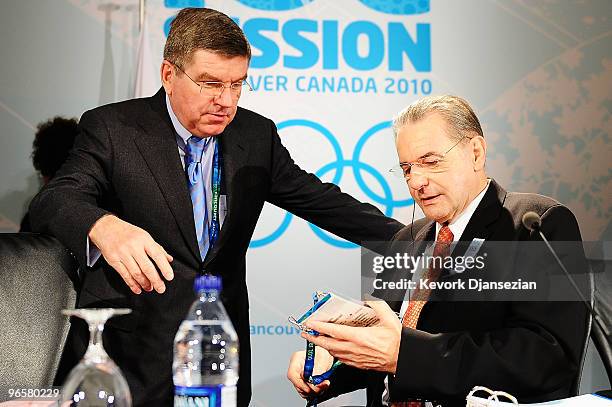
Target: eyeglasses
[[431, 164], [215, 88]]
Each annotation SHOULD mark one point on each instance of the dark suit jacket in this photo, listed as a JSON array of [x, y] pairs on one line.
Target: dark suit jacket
[[125, 161], [530, 349]]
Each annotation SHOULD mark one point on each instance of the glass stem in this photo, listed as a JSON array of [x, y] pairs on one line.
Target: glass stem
[[95, 350]]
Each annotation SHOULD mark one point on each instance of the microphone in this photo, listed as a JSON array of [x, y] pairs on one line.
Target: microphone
[[533, 222]]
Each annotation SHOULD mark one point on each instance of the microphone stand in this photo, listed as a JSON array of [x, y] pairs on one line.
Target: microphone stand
[[596, 317]]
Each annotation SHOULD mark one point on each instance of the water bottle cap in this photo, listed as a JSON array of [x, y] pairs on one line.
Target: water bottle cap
[[207, 282]]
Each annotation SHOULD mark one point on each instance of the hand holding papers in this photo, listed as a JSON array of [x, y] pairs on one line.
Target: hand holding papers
[[335, 309], [307, 377], [364, 340]]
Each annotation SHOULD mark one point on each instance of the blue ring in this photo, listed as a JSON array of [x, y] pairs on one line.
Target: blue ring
[[325, 132], [288, 217], [387, 202], [274, 235], [343, 244]]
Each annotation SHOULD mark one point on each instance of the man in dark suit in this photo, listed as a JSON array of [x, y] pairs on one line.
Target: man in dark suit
[[440, 350], [169, 187]]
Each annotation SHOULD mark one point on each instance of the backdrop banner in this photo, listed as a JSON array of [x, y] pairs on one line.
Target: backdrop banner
[[332, 74]]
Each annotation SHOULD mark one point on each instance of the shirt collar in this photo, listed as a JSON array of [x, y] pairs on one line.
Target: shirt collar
[[459, 225], [183, 133]]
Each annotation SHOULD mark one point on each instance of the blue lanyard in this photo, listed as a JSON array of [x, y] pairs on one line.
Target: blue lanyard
[[213, 230], [309, 363]]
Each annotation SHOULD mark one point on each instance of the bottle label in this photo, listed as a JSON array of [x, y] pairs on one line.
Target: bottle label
[[205, 396]]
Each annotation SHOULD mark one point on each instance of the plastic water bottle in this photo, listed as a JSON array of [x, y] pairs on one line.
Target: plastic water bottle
[[205, 366]]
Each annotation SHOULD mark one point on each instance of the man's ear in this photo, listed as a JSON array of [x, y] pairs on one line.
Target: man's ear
[[168, 76], [479, 150]]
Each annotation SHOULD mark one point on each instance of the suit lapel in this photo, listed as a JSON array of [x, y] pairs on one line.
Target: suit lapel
[[480, 225], [234, 152], [160, 152], [487, 212], [425, 234]]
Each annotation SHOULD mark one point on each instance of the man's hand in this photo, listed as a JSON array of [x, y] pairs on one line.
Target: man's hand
[[370, 348], [131, 251], [295, 372]]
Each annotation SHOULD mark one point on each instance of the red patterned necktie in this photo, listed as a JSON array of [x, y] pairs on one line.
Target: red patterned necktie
[[420, 296]]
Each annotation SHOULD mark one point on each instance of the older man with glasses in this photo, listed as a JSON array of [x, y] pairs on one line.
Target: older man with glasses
[[436, 351], [160, 190]]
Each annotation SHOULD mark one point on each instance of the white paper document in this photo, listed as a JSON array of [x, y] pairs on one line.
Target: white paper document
[[335, 309]]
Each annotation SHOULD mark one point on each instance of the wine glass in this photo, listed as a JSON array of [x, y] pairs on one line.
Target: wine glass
[[96, 381]]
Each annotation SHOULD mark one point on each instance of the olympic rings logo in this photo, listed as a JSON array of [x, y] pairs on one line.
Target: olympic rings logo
[[405, 7], [339, 165]]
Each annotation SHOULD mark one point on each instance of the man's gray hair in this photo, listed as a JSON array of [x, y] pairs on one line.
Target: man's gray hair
[[456, 111]]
